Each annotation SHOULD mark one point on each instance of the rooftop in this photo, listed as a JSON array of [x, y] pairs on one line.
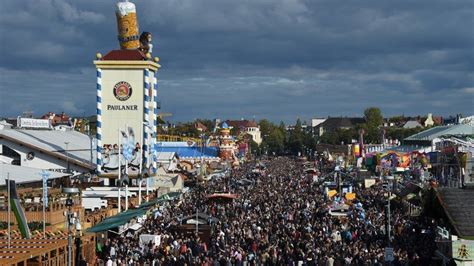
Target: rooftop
[[184, 150], [22, 174], [457, 204], [238, 124], [117, 55], [439, 131], [53, 142]]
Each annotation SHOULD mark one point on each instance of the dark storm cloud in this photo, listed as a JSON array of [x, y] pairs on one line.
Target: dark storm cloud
[[277, 59]]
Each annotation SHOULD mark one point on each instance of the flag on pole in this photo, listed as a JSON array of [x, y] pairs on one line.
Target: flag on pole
[[45, 175]]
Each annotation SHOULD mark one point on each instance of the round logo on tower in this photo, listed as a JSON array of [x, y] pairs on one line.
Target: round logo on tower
[[122, 91]]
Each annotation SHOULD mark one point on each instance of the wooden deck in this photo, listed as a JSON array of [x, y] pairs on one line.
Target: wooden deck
[[43, 251], [49, 251]]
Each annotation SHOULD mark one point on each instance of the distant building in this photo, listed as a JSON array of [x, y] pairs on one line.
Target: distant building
[[412, 124], [248, 127], [200, 127], [331, 124], [317, 121], [430, 136], [431, 120], [58, 119]]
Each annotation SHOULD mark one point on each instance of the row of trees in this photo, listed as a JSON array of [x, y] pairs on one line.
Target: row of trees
[[373, 130], [278, 139]]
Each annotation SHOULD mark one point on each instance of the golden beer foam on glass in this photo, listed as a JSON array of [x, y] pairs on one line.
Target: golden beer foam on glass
[[127, 25]]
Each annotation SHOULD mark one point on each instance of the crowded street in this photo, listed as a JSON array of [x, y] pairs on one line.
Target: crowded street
[[281, 218]]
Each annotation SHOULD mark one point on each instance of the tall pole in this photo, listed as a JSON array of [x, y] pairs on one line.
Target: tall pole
[[147, 185], [126, 197], [9, 210], [388, 221], [91, 142], [119, 173], [197, 223], [126, 172], [44, 208], [67, 158], [69, 238], [140, 166]]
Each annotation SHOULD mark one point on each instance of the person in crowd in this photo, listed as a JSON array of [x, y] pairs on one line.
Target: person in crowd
[[281, 218]]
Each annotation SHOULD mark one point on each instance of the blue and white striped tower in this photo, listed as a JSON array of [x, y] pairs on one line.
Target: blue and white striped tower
[[99, 120], [155, 110], [125, 101], [146, 111]]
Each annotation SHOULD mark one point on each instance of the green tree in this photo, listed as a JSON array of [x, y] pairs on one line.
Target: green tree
[[265, 127], [373, 117], [254, 148], [295, 140], [373, 121], [275, 141]]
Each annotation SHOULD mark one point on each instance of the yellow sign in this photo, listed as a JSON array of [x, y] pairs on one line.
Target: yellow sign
[[332, 193], [350, 196]]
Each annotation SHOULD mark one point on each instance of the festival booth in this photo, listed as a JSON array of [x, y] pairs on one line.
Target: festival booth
[[199, 223], [222, 197]]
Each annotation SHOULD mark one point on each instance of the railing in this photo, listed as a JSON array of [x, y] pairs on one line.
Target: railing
[[53, 218]]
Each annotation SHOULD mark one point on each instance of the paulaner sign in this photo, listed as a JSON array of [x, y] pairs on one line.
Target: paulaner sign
[[122, 107]]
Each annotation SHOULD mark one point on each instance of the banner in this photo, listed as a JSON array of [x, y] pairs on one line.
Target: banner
[[145, 239], [369, 182], [33, 123], [44, 176]]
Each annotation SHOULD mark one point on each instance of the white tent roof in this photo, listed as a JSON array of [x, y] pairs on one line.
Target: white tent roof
[[175, 144], [23, 175], [54, 143], [165, 156]]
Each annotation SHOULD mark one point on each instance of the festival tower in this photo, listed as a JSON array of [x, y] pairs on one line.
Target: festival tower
[[226, 147], [127, 99]]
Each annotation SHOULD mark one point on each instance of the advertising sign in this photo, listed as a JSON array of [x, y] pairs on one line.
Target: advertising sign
[[33, 123], [122, 117], [368, 182]]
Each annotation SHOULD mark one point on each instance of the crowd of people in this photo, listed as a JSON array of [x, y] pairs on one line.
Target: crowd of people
[[281, 217]]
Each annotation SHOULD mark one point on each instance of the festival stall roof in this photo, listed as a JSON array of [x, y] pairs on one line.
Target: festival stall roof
[[117, 220], [165, 156], [201, 217], [458, 206], [162, 198], [124, 217], [164, 180], [408, 188], [185, 151], [222, 197], [24, 175], [428, 135], [52, 142], [169, 160]]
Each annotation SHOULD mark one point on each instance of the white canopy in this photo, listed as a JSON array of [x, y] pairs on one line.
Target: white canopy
[[22, 174]]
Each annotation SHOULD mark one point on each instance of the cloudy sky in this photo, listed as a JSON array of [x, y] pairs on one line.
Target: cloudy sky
[[275, 59]]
